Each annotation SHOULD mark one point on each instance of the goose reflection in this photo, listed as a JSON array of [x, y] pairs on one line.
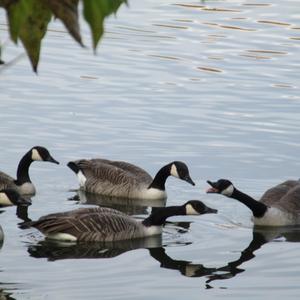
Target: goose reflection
[[128, 206], [56, 250], [4, 295], [186, 268], [22, 213], [1, 238], [53, 250], [260, 236]]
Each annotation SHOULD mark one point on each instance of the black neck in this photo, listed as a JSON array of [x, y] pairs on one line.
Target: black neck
[[23, 167], [159, 215], [160, 178], [258, 208]]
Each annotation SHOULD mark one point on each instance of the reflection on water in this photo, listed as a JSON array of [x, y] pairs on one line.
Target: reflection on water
[[128, 206], [260, 236], [1, 237], [54, 250], [197, 88], [4, 294], [22, 213]]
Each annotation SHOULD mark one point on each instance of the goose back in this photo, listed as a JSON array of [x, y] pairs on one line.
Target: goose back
[[116, 178], [82, 211], [290, 202], [7, 182], [275, 194]]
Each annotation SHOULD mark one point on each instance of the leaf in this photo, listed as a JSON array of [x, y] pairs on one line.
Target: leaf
[[17, 12], [95, 11], [67, 12], [28, 21]]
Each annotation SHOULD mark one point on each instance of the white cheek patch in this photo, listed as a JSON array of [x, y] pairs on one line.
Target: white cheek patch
[[35, 155], [174, 171], [228, 192], [4, 200], [190, 210], [81, 178]]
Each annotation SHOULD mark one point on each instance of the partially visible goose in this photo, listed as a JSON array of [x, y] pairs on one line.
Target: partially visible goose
[[279, 206], [102, 224], [9, 197], [122, 179], [23, 184]]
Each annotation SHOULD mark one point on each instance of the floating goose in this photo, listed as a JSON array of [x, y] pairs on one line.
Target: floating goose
[[122, 179], [9, 197], [279, 206], [101, 224], [23, 184]]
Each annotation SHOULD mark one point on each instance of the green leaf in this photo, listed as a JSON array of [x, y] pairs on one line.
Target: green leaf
[[95, 11], [17, 12], [33, 29], [28, 21], [67, 12]]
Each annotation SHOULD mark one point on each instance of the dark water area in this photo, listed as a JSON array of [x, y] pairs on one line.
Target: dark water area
[[212, 83]]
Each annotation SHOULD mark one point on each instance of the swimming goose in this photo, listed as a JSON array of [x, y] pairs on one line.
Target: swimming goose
[[101, 224], [279, 206], [122, 179], [23, 184], [9, 197]]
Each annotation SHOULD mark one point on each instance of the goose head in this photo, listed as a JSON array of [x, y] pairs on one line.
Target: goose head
[[39, 153], [10, 197], [222, 186], [180, 170], [196, 207]]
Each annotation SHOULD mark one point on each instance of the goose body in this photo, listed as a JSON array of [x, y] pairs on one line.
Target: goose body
[[22, 184], [122, 179], [107, 225], [9, 197], [279, 206]]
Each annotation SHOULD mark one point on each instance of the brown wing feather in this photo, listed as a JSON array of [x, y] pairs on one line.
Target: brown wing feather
[[276, 193], [133, 169], [91, 226], [291, 200], [6, 181], [82, 211], [112, 178]]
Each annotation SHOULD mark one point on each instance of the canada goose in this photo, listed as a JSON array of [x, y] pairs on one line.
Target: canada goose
[[279, 206], [23, 184], [9, 197], [101, 224], [122, 179]]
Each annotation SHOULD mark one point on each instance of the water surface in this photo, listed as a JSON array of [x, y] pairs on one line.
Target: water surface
[[211, 83]]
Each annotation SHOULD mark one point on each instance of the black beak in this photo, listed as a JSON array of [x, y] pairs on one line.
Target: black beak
[[210, 210], [189, 180], [51, 159]]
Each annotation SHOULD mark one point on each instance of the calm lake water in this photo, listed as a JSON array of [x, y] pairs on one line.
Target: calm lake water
[[211, 83]]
